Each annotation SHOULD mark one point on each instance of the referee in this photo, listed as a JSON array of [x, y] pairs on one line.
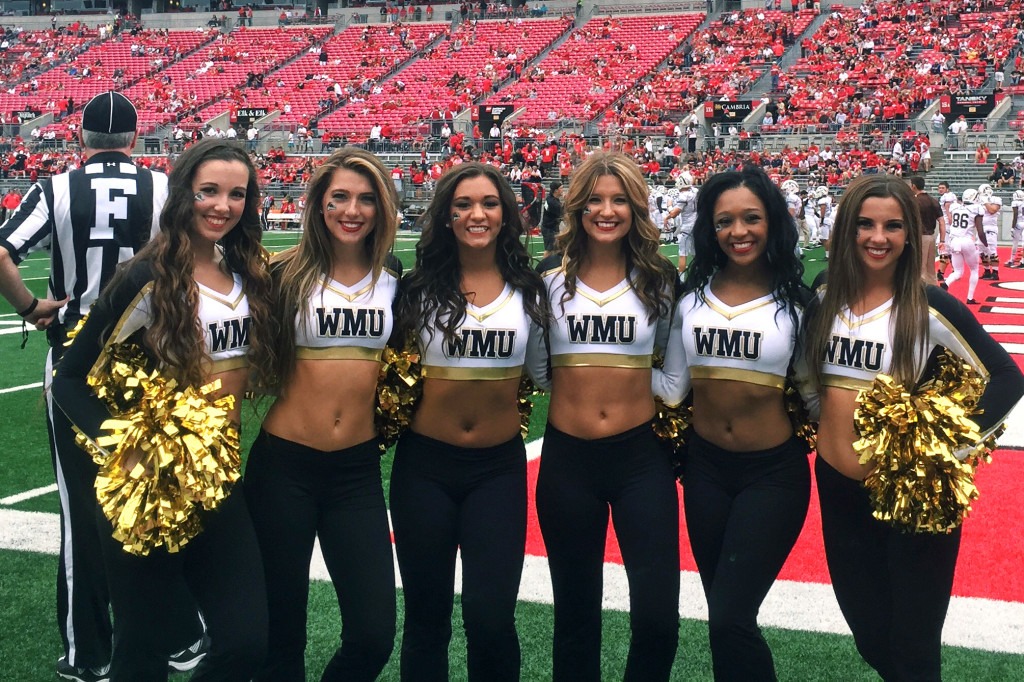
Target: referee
[[90, 220]]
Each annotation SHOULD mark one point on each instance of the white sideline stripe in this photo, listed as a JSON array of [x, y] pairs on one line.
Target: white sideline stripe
[[975, 623], [1004, 328], [533, 449], [1012, 348], [38, 384], [16, 330], [32, 279], [29, 494], [1006, 299], [12, 323], [1005, 311]]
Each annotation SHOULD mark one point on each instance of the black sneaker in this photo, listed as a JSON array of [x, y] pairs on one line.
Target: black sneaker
[[986, 275], [939, 276], [69, 672], [186, 659], [971, 301], [994, 275], [944, 286]]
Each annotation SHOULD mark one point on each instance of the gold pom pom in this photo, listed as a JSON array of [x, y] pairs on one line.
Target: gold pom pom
[[399, 388], [919, 483], [77, 328], [671, 424], [527, 390], [167, 454], [799, 417]]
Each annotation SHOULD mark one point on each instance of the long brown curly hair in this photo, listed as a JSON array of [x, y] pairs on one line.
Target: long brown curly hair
[[297, 271], [175, 338], [650, 274]]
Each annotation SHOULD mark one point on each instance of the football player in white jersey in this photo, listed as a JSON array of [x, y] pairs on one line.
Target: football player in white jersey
[[946, 201], [960, 236], [791, 191], [686, 209], [811, 215], [989, 207], [826, 215], [1017, 227]]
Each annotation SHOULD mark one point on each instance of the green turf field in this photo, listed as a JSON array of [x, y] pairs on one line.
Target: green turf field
[[30, 645]]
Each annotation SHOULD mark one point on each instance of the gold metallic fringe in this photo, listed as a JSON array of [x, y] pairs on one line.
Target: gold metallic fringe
[[399, 388], [527, 390], [169, 452], [671, 424], [74, 332], [919, 484], [799, 417]]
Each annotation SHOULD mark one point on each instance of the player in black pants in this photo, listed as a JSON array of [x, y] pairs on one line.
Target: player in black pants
[[611, 294], [892, 585], [459, 477], [746, 478], [314, 470]]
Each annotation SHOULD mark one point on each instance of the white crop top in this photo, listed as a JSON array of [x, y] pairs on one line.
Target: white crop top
[[601, 328], [861, 347], [491, 344], [224, 319], [347, 323], [751, 342]]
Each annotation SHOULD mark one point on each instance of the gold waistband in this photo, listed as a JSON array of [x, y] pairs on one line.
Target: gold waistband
[[472, 373], [744, 375], [337, 353], [601, 360]]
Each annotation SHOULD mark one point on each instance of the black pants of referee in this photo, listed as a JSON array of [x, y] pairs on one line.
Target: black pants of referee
[[296, 494], [893, 587], [221, 568], [579, 480], [744, 512], [83, 599], [445, 498]]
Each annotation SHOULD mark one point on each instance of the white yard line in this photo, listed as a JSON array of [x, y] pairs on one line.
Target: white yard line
[[974, 623], [26, 387], [29, 494]]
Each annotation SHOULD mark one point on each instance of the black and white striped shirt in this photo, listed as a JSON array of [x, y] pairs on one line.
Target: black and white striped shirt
[[90, 220]]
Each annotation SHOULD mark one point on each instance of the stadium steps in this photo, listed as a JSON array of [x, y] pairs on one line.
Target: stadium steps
[[762, 86]]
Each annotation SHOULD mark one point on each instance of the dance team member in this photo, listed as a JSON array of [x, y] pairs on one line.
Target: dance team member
[[893, 586], [747, 479], [963, 250], [459, 476], [314, 470], [611, 294], [193, 298]]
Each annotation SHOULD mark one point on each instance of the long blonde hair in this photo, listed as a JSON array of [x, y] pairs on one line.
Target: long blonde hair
[[651, 275], [298, 270]]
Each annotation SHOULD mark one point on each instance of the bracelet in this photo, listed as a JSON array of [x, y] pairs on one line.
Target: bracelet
[[31, 306]]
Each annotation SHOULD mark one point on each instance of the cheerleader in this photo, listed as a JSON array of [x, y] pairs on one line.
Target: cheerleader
[[963, 250], [611, 293], [459, 477], [193, 299], [893, 586], [747, 482], [314, 470]]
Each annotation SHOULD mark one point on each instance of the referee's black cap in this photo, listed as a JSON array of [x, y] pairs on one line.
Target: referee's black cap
[[109, 112]]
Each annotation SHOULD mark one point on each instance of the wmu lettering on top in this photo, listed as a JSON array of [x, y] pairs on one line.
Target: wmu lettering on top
[[857, 353], [619, 329], [495, 344], [229, 334], [716, 342], [359, 323]]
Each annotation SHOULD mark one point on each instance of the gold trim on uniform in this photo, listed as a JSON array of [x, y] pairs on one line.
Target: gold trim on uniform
[[338, 353], [601, 360], [732, 374], [472, 373], [229, 364], [953, 330], [850, 383], [736, 311], [480, 317], [112, 337], [851, 325], [339, 292], [220, 298], [601, 302]]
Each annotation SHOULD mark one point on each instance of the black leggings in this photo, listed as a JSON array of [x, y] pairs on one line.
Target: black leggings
[[296, 494], [744, 512], [444, 498], [579, 480], [221, 567], [893, 587]]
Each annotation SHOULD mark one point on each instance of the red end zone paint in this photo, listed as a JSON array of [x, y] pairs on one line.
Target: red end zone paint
[[991, 553]]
